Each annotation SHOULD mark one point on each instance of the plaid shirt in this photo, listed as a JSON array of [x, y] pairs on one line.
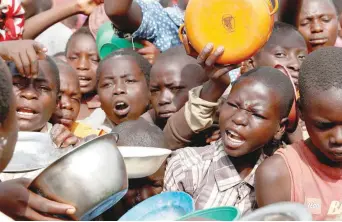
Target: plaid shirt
[[208, 175]]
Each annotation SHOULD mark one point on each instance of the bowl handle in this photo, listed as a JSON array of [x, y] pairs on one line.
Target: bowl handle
[[275, 8], [181, 32]]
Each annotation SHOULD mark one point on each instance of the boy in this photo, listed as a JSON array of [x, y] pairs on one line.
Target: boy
[[222, 173], [70, 96], [82, 55], [286, 47], [252, 119], [318, 23], [309, 172], [122, 87], [16, 200], [172, 76]]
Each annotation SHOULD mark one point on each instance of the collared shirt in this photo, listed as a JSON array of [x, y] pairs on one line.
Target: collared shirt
[[159, 25], [208, 175]]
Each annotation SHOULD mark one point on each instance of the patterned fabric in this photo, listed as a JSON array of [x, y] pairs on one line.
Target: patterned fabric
[[208, 175], [234, 74], [13, 18], [160, 25]]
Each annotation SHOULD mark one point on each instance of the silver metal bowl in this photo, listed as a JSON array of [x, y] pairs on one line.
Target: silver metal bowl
[[92, 178]]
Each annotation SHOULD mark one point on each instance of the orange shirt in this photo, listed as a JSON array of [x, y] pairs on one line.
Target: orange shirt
[[317, 186]]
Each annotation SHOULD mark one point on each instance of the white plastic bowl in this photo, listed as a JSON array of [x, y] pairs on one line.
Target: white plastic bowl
[[143, 161], [33, 151]]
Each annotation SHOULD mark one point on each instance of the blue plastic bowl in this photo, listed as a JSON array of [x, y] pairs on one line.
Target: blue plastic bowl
[[166, 206]]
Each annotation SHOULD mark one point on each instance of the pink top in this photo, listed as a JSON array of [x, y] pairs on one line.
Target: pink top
[[317, 186], [338, 42]]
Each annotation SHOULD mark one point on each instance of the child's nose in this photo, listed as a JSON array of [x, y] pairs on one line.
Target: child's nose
[[29, 93], [165, 97], [119, 88], [240, 118]]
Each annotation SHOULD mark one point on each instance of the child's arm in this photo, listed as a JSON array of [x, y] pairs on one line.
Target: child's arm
[[272, 181], [25, 55], [198, 113], [39, 23], [126, 15]]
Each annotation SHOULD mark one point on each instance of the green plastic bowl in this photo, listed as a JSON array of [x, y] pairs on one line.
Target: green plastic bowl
[[107, 42], [217, 213]]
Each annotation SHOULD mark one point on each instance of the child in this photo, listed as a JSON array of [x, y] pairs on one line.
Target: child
[[318, 23], [172, 76], [254, 116], [139, 133], [70, 96], [36, 98], [82, 55], [122, 87], [16, 200], [148, 20], [286, 47], [309, 172]]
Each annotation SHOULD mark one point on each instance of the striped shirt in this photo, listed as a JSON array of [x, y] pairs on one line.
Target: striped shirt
[[208, 175]]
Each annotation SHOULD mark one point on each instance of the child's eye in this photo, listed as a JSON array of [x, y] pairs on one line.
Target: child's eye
[[324, 125], [72, 58], [175, 89], [304, 23], [76, 99], [302, 57], [18, 85], [280, 54], [153, 90], [232, 105], [258, 116], [130, 81], [44, 88], [326, 19], [96, 60], [106, 85]]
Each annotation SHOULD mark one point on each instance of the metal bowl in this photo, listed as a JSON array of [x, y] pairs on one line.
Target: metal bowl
[[92, 178]]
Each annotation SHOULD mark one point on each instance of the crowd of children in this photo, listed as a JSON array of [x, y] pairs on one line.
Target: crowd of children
[[229, 127]]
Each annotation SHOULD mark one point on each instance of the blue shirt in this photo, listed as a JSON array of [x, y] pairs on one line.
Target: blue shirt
[[160, 25]]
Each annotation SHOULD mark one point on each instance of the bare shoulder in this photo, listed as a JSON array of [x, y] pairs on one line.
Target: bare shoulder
[[273, 182]]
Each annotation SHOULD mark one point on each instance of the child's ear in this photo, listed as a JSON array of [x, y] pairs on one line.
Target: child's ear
[[283, 124], [250, 63]]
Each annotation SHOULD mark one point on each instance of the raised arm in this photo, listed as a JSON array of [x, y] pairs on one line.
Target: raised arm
[[126, 15], [39, 23]]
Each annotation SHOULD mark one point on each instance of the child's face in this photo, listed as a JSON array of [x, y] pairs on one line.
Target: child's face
[[290, 54], [82, 56], [323, 118], [170, 85], [122, 89], [36, 98], [9, 131], [70, 98], [250, 118], [318, 23]]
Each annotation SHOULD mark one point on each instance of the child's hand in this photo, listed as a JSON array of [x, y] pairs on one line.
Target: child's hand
[[63, 137], [87, 6], [149, 52], [25, 54], [18, 202]]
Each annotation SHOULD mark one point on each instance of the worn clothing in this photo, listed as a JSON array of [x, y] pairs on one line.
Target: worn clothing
[[159, 25], [208, 175], [314, 184]]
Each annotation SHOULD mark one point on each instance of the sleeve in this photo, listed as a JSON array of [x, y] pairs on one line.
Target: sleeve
[[153, 16], [174, 175]]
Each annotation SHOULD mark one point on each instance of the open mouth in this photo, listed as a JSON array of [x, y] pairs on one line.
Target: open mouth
[[121, 108], [233, 140], [84, 81], [26, 113]]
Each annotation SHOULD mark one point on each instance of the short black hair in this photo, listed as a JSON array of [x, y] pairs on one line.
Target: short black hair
[[140, 133], [53, 67], [277, 81], [81, 31], [5, 91], [144, 65], [281, 29], [178, 54], [320, 71]]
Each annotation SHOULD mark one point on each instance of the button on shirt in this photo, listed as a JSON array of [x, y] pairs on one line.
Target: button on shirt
[[208, 175], [160, 25]]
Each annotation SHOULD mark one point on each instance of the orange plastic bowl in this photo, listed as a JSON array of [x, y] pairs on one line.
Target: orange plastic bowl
[[241, 26]]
